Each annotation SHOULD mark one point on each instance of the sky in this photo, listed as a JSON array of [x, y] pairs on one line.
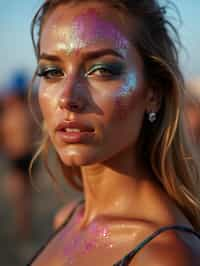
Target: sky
[[16, 49]]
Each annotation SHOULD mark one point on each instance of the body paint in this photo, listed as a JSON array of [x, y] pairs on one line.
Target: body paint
[[90, 28], [124, 95], [99, 236]]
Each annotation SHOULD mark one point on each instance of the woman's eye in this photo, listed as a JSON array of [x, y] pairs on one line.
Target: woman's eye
[[105, 71], [50, 73], [101, 72]]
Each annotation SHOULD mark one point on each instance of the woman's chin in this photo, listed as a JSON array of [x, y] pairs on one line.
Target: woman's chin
[[76, 158]]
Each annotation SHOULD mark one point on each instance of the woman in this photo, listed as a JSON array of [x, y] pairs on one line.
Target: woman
[[192, 110], [111, 97]]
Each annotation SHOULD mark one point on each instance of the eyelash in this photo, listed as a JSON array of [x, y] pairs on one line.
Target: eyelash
[[50, 72], [109, 71]]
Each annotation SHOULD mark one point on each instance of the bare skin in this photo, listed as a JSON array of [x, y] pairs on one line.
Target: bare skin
[[123, 202]]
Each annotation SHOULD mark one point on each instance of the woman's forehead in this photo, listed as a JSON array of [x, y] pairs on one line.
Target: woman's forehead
[[72, 28]]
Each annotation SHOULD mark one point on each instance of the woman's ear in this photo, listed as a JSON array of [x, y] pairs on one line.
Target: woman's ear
[[154, 99]]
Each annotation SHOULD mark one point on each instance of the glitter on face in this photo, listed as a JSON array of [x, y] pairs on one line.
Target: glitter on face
[[129, 85], [81, 35], [125, 93]]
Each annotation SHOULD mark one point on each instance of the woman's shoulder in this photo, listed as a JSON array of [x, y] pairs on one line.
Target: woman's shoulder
[[173, 252], [169, 247], [151, 243]]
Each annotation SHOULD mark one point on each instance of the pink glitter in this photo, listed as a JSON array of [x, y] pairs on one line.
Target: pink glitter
[[89, 28]]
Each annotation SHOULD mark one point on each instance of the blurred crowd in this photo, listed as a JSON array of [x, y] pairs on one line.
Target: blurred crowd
[[192, 110], [19, 134]]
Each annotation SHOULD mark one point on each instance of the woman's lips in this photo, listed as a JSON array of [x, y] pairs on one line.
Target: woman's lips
[[74, 132], [75, 137]]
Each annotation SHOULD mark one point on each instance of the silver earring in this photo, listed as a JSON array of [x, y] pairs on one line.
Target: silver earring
[[152, 117]]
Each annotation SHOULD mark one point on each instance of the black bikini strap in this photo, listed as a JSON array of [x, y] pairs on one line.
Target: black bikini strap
[[126, 260]]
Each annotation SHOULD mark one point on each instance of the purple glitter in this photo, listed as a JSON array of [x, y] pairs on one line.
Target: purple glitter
[[89, 28]]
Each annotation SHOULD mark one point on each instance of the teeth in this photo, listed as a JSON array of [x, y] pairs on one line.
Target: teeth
[[72, 130]]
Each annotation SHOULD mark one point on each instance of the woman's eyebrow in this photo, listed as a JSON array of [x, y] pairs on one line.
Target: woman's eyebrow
[[49, 57], [103, 52]]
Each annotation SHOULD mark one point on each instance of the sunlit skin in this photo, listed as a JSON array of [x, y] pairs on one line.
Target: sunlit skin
[[104, 99], [97, 79]]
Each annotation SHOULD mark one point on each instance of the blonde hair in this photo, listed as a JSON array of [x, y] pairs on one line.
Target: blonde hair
[[165, 145]]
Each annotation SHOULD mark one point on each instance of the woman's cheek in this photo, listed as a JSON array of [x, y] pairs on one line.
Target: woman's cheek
[[114, 98], [48, 99], [48, 105], [125, 95]]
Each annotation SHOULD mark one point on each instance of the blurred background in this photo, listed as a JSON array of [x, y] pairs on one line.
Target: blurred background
[[27, 210]]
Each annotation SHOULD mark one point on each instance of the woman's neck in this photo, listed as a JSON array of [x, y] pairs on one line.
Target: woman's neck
[[113, 188]]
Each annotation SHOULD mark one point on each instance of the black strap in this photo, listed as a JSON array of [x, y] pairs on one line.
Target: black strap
[[55, 233], [127, 259]]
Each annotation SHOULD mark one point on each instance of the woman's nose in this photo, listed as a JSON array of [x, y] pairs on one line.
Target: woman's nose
[[74, 105], [72, 98]]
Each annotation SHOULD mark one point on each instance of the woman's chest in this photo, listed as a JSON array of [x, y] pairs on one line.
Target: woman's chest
[[100, 243], [91, 246]]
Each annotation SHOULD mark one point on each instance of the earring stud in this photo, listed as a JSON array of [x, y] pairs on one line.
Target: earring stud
[[152, 117]]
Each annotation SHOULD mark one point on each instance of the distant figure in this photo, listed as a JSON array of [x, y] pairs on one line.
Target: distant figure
[[192, 110], [17, 142]]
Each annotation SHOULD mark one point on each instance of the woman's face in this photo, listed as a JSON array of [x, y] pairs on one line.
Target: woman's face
[[92, 92]]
